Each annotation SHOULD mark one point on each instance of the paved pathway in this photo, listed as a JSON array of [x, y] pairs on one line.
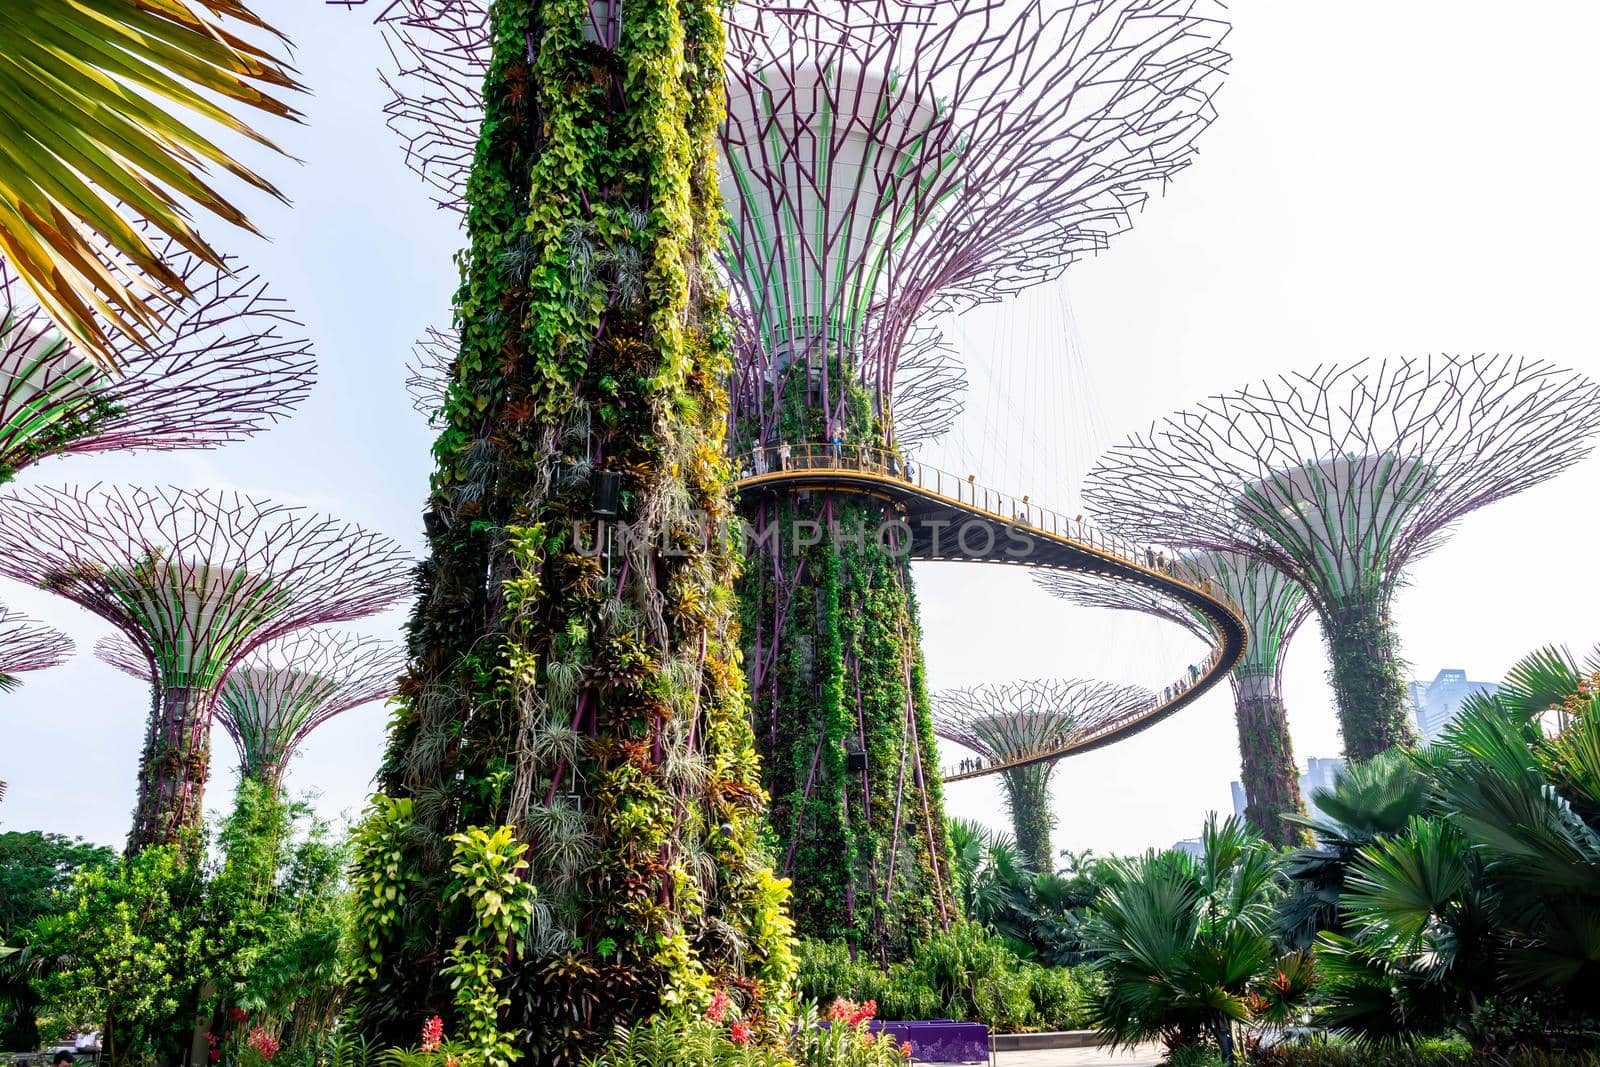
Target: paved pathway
[[1143, 1056]]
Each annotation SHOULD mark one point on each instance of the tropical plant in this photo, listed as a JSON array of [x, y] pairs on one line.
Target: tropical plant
[[91, 134], [34, 868], [1041, 915], [1184, 945], [967, 973], [1496, 893], [1367, 802]]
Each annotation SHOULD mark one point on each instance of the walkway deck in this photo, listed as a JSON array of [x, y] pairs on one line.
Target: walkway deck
[[948, 518]]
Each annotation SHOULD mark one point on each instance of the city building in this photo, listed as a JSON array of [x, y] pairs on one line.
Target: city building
[[1437, 703]]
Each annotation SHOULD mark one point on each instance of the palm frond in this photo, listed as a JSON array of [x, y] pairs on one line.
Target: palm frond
[[91, 139]]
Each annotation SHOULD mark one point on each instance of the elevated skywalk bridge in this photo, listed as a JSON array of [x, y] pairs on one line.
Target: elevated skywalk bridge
[[940, 516]]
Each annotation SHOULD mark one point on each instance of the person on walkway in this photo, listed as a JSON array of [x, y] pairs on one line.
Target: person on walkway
[[836, 446], [783, 455]]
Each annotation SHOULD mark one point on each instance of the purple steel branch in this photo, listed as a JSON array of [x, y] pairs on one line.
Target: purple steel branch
[[28, 645], [225, 364], [1007, 138]]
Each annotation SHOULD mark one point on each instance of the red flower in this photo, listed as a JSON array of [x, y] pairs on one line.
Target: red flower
[[841, 1010], [214, 1052], [740, 1034], [238, 1015], [719, 1006], [263, 1042], [864, 1012], [432, 1034]]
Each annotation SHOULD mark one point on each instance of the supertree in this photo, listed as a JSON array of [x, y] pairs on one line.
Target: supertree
[[28, 645], [1274, 607], [196, 581], [273, 698], [223, 364], [1338, 478], [1013, 721], [885, 161], [882, 161], [581, 688]]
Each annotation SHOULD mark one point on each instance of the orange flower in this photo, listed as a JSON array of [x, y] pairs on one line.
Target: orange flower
[[905, 1049]]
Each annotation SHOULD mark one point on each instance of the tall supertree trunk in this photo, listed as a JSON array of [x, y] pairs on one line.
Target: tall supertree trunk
[[1271, 779], [842, 720], [575, 662], [1365, 671], [172, 770], [1028, 797]]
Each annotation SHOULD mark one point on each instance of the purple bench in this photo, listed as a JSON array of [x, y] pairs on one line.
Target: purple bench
[[938, 1040]]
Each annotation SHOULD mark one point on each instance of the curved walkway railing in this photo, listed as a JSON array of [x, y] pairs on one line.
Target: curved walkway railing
[[1037, 537]]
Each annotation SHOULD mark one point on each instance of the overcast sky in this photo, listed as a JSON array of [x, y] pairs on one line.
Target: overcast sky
[[1383, 179]]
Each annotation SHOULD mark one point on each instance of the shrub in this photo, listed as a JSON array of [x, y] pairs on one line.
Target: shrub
[[967, 973]]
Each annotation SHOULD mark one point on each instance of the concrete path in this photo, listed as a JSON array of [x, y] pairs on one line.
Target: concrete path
[[1143, 1056]]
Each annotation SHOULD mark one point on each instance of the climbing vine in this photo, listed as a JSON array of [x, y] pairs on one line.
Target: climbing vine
[[575, 670]]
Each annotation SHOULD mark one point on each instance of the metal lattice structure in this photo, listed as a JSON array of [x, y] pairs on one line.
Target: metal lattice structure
[[196, 581], [888, 159], [1339, 477], [1004, 723], [225, 364], [1274, 607], [272, 700], [28, 645]]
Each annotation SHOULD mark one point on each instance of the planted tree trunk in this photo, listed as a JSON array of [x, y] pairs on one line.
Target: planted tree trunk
[[1367, 680], [842, 721], [172, 770], [575, 673], [1028, 797], [1271, 779]]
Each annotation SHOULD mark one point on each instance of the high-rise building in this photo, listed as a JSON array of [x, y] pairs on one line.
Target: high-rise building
[[1437, 703]]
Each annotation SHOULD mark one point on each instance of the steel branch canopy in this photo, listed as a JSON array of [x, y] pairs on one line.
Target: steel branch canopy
[[885, 159], [224, 364], [1274, 606], [196, 579], [272, 700], [1339, 477], [28, 645], [1015, 721]]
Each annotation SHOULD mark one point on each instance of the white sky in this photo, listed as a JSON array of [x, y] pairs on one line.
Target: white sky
[[1384, 178]]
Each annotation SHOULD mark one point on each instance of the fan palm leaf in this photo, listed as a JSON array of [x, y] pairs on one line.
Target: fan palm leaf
[[91, 140]]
